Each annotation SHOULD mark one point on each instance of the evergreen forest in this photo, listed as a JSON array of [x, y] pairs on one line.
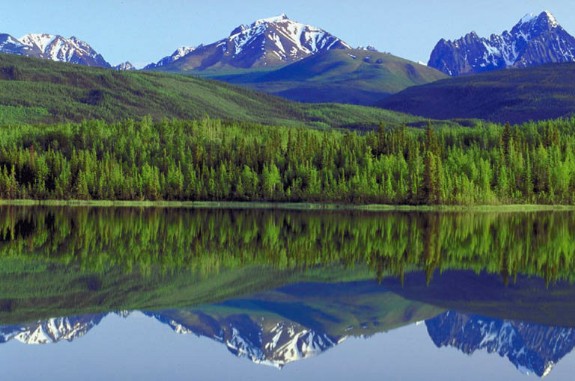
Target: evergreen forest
[[215, 160]]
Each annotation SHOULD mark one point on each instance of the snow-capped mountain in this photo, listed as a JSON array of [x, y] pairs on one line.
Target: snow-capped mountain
[[125, 66], [50, 331], [53, 47], [535, 40], [179, 53], [267, 42], [274, 343], [532, 348], [11, 45]]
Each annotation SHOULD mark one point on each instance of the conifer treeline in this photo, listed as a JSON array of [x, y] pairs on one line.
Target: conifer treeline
[[214, 160]]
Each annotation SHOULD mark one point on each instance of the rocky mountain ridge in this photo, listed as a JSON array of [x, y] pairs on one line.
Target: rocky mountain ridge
[[266, 42], [53, 47], [534, 40]]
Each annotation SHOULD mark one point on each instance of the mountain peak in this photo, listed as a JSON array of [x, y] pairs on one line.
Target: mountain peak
[[272, 20], [176, 55], [537, 23], [534, 40], [267, 42], [549, 18], [52, 47], [546, 18], [41, 41], [125, 66]]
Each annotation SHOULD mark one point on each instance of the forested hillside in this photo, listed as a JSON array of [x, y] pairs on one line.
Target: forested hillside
[[214, 160]]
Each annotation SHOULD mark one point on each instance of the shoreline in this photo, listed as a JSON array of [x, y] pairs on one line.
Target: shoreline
[[303, 206]]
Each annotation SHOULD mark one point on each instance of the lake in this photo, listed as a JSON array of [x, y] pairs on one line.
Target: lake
[[148, 293]]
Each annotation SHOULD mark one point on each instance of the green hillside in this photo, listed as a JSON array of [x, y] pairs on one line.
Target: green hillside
[[515, 96], [343, 76], [39, 91]]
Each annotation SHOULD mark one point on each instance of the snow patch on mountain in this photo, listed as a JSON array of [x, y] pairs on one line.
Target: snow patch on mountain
[[40, 41], [269, 41], [53, 47], [306, 39], [176, 55], [534, 40], [125, 66]]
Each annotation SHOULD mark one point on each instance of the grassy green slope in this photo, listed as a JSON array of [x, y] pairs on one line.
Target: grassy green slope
[[38, 91], [356, 77], [515, 96]]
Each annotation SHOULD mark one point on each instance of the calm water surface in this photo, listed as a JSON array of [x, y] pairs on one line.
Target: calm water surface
[[121, 293]]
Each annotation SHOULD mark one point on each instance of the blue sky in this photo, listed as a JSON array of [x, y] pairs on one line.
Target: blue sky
[[143, 31]]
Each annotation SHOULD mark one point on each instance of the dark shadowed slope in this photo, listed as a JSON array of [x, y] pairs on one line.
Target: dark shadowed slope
[[515, 95]]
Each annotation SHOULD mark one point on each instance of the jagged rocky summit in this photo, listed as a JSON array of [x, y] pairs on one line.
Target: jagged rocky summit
[[533, 41], [53, 47]]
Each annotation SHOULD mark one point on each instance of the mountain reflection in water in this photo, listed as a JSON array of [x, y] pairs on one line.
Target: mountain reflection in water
[[300, 321], [279, 286]]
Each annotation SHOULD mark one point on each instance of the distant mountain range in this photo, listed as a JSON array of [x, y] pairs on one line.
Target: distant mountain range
[[53, 47], [535, 40], [279, 41], [299, 62], [305, 63], [270, 42]]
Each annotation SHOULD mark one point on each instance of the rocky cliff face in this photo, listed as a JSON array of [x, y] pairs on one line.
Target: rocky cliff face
[[535, 40], [53, 47]]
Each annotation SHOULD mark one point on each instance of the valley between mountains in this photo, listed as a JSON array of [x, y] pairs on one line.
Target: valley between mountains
[[352, 125]]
